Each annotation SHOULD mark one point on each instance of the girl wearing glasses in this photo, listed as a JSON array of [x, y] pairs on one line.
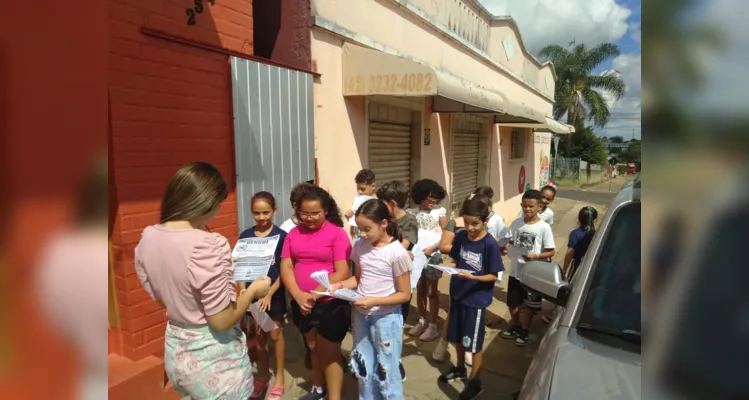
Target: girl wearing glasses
[[318, 243]]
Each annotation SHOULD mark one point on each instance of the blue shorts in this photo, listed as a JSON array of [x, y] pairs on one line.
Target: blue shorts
[[466, 327]]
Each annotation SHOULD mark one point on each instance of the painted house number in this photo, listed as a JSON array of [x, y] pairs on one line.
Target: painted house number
[[198, 9]]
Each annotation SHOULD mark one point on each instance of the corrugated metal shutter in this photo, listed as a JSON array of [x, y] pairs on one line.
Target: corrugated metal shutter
[[274, 137], [465, 165], [390, 143]]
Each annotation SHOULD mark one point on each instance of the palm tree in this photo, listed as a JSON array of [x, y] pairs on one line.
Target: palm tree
[[577, 91]]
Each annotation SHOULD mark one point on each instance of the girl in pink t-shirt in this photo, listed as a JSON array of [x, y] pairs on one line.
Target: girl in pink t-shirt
[[384, 279], [190, 272], [319, 243]]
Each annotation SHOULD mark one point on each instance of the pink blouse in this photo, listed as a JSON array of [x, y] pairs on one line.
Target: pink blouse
[[314, 251], [189, 270]]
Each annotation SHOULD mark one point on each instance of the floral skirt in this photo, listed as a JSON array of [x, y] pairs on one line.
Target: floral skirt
[[205, 364]]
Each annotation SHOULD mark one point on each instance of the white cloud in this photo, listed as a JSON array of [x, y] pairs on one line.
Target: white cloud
[[545, 22], [625, 113], [635, 30], [629, 68]]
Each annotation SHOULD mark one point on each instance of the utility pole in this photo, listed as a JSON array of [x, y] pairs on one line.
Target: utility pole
[[633, 133]]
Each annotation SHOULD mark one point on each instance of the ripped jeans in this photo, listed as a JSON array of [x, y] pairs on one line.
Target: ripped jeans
[[378, 340]]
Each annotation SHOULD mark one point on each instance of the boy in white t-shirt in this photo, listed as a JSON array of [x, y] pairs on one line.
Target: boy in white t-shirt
[[532, 239], [548, 193], [365, 190]]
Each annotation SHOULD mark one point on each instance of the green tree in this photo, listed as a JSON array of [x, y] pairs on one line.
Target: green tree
[[616, 139], [577, 91], [588, 147], [632, 153]]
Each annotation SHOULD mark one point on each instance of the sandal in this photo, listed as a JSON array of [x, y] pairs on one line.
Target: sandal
[[259, 389], [276, 393]]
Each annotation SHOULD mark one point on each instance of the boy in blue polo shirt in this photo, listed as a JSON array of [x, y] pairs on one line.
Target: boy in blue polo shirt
[[477, 256]]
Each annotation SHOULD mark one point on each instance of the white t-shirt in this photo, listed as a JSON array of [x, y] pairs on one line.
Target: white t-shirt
[[379, 267], [529, 239], [496, 227], [547, 216], [428, 220], [288, 225]]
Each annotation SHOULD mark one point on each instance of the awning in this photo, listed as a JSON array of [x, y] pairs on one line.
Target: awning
[[368, 72], [549, 125]]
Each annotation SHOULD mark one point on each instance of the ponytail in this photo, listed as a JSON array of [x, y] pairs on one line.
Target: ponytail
[[392, 228], [586, 218]]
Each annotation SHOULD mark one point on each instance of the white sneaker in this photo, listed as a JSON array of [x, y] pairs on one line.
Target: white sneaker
[[469, 359], [418, 329], [430, 333], [439, 352]]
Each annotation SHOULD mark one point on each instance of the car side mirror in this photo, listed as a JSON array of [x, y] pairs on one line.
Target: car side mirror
[[546, 280]]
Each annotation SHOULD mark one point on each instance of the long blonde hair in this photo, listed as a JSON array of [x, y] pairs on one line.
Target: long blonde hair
[[195, 190]]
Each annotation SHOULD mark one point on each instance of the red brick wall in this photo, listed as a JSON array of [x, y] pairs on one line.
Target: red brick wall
[[170, 104]]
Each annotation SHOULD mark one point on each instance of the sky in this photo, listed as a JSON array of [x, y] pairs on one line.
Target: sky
[[723, 86], [545, 22]]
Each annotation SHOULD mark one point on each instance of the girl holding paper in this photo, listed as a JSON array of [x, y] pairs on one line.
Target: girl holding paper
[[263, 207], [384, 279], [319, 243], [190, 272], [426, 194]]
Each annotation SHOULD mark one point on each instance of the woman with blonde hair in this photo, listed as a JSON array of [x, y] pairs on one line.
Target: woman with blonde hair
[[190, 271]]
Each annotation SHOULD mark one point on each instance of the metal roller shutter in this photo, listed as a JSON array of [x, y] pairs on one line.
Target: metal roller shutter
[[465, 165], [390, 143]]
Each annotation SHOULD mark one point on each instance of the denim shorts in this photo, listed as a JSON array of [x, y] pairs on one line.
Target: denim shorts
[[375, 359], [430, 273]]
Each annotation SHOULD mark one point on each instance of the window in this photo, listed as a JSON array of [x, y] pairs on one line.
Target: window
[[517, 144], [612, 305]]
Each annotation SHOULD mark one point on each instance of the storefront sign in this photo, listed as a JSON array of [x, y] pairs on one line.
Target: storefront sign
[[521, 179], [543, 177], [407, 83], [541, 137]]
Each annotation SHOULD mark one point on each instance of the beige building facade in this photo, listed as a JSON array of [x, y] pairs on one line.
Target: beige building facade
[[429, 89]]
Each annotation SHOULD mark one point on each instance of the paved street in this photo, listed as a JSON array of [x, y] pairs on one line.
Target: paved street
[[504, 363], [598, 194]]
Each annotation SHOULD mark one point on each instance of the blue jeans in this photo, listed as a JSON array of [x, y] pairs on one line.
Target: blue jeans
[[378, 341]]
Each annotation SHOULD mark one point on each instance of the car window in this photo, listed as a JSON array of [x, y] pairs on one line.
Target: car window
[[613, 302], [709, 357]]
